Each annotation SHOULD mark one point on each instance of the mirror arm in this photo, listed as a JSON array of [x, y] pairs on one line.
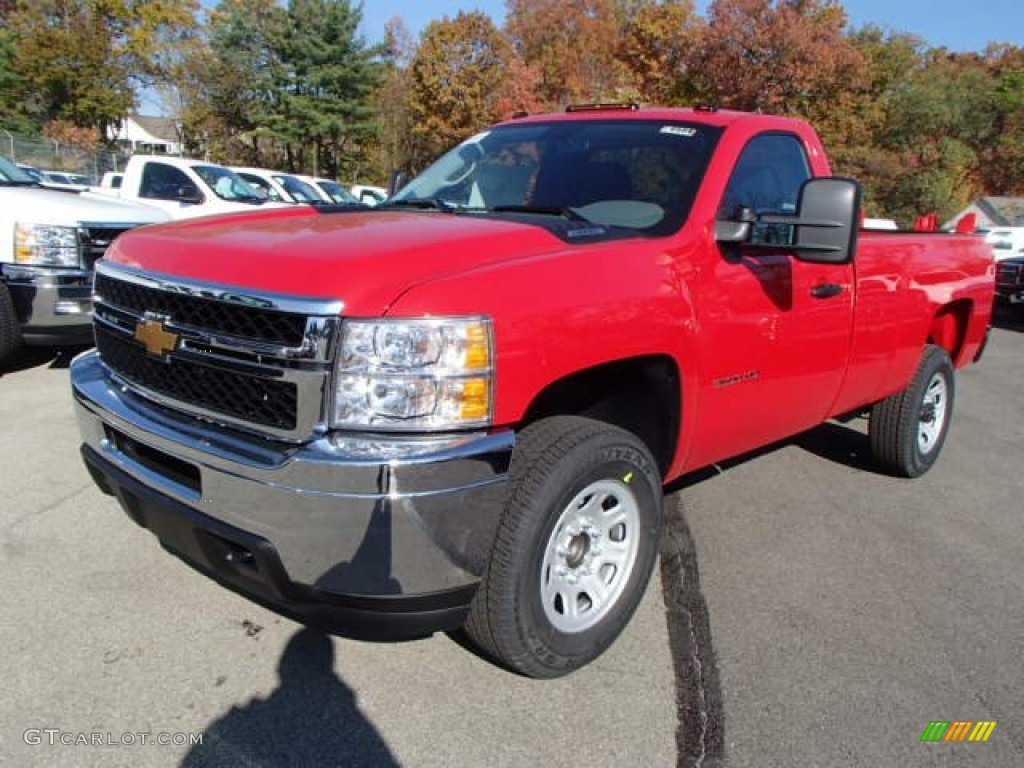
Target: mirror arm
[[797, 221], [732, 232]]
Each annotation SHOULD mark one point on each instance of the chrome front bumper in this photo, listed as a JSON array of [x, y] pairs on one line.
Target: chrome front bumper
[[53, 306], [367, 519]]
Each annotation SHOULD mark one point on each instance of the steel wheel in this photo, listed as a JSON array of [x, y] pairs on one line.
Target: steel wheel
[[933, 414], [574, 548], [907, 429], [590, 556]]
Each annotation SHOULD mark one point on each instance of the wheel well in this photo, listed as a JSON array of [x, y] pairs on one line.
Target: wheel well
[[640, 395], [949, 327]]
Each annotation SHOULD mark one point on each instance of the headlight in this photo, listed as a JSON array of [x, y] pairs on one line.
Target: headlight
[[431, 374], [45, 245]]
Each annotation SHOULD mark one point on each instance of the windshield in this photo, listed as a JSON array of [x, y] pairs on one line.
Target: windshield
[[337, 192], [300, 191], [640, 175], [227, 184], [11, 174]]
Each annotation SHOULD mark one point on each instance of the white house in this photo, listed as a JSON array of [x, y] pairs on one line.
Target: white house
[[993, 212], [142, 133]]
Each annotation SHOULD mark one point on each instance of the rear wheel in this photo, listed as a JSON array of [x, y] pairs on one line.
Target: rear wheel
[[574, 550], [908, 429], [10, 334]]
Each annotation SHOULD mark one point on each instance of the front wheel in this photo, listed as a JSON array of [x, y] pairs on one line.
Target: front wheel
[[574, 550], [907, 430], [10, 334]]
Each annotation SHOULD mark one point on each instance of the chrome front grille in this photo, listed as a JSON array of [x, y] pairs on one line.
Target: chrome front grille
[[1008, 274], [241, 321], [94, 239], [259, 362]]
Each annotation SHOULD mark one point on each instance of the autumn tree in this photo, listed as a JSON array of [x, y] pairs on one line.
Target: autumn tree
[[17, 108], [226, 84], [521, 89], [780, 56], [83, 62], [656, 46], [456, 79], [1002, 150], [572, 45], [391, 101], [866, 154]]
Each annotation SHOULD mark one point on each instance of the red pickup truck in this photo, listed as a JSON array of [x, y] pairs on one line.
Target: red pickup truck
[[458, 409]]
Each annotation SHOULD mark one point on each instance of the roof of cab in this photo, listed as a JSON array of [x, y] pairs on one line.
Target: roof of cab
[[708, 115]]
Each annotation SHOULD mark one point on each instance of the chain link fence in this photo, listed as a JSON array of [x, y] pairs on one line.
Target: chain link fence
[[48, 155]]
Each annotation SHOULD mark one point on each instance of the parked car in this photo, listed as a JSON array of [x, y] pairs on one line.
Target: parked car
[[368, 194], [331, 191], [1006, 242], [32, 172], [459, 409], [75, 182], [281, 187], [49, 241]]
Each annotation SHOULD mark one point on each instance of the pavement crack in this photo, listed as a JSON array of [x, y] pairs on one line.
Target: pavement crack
[[699, 728], [48, 508]]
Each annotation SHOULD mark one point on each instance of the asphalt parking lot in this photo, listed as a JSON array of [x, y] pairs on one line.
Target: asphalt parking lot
[[807, 612]]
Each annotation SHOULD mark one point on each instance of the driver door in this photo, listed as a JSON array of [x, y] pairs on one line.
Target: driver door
[[776, 330]]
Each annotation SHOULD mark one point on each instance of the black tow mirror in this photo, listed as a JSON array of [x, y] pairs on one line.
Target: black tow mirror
[[824, 229]]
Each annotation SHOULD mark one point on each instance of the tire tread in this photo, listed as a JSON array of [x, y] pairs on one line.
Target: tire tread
[[893, 421], [491, 625]]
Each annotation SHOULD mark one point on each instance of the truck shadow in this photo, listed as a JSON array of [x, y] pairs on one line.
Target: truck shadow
[[27, 358], [832, 440], [311, 719]]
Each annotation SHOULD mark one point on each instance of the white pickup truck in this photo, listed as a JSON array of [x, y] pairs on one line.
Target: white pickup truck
[[49, 241], [186, 188]]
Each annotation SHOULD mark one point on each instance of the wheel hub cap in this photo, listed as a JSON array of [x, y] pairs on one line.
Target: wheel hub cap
[[590, 555], [932, 416]]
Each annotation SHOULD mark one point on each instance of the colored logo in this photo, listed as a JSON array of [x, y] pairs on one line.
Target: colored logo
[[155, 338], [958, 730]]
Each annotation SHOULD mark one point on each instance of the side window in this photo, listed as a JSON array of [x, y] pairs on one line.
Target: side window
[[261, 185], [165, 182], [768, 176]]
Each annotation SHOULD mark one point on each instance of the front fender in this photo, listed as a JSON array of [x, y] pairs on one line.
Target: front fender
[[576, 309]]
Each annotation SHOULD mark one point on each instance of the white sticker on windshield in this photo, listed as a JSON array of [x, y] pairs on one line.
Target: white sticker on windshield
[[478, 138], [679, 130]]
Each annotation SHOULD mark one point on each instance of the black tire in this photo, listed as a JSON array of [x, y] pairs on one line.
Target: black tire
[[899, 425], [579, 475], [10, 333]]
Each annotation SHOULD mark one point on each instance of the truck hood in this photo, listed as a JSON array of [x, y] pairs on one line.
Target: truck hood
[[49, 206], [365, 259]]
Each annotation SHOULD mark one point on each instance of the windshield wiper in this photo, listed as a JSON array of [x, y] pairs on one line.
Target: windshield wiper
[[542, 210]]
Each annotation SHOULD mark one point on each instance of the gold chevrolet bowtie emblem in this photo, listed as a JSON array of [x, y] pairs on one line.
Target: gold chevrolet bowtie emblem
[[154, 338]]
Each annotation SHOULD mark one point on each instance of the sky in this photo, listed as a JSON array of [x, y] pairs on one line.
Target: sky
[[953, 24]]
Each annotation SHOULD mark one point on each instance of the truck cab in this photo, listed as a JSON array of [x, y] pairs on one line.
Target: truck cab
[[187, 188]]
